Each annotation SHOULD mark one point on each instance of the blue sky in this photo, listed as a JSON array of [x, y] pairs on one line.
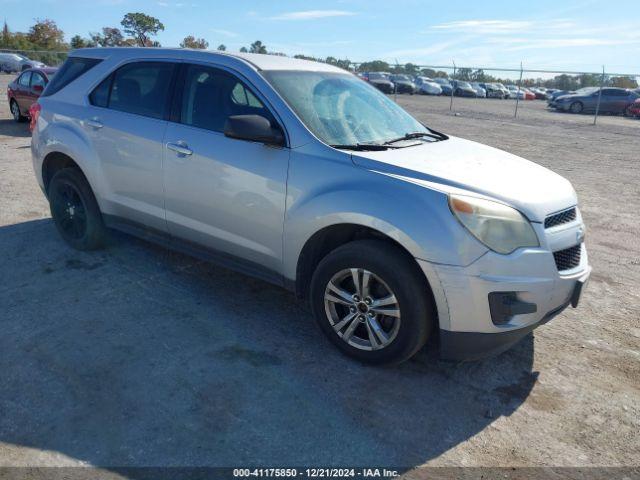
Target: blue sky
[[572, 35]]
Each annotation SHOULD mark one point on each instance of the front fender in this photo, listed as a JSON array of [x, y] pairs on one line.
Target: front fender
[[416, 217]]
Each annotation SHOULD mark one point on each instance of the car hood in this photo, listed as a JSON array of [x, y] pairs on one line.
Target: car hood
[[457, 164]]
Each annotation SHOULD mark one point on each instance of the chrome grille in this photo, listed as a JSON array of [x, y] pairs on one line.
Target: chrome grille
[[568, 258], [559, 218]]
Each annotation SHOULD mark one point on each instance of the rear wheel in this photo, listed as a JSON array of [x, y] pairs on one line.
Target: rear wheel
[[75, 211], [16, 113], [371, 301], [576, 107]]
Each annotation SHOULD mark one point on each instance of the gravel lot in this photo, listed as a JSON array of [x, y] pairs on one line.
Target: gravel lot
[[136, 356]]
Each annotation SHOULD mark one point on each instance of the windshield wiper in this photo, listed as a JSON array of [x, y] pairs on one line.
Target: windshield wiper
[[409, 136], [363, 147]]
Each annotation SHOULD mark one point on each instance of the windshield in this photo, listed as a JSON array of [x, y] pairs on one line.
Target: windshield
[[401, 77], [586, 90], [464, 85], [341, 110], [442, 81], [376, 76]]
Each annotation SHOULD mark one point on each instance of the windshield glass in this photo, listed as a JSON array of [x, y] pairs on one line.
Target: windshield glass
[[400, 77], [376, 76], [341, 110]]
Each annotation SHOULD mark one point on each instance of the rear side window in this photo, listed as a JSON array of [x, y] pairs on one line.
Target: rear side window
[[141, 88], [37, 80], [73, 68], [24, 79]]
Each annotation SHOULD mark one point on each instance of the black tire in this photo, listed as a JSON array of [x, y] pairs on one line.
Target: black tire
[[16, 113], [402, 276], [75, 211], [576, 107]]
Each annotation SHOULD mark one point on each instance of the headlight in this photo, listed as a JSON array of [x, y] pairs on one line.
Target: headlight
[[501, 228]]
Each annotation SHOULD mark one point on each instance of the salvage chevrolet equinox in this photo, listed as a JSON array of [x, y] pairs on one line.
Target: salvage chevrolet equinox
[[302, 174]]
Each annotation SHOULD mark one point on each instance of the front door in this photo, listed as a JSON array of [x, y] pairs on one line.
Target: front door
[[222, 193]]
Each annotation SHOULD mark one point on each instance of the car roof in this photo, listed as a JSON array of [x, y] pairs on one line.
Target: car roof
[[256, 61]]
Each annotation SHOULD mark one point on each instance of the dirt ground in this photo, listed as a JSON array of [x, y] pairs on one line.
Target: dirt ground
[[135, 356]]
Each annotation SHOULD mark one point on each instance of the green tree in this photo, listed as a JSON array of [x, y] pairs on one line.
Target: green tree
[[222, 47], [5, 37], [257, 47], [142, 27], [374, 66], [46, 35], [111, 37], [411, 69], [243, 50], [192, 42], [623, 82], [79, 42]]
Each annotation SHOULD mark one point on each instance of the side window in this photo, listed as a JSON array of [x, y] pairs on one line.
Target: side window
[[141, 88], [210, 96], [37, 80], [71, 69], [24, 79], [100, 95]]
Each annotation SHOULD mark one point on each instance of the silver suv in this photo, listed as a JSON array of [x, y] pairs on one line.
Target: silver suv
[[304, 175]]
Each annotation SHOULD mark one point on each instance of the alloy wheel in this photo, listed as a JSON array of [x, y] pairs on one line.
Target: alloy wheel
[[362, 309]]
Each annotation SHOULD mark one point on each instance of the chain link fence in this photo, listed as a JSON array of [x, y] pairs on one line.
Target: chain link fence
[[452, 72]]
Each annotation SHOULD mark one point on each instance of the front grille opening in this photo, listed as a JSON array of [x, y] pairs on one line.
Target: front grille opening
[[559, 218], [568, 258]]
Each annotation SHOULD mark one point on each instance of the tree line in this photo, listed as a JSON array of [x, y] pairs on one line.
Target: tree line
[[46, 40]]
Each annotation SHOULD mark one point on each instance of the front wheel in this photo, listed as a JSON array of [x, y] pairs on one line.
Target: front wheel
[[576, 107], [75, 211], [371, 300]]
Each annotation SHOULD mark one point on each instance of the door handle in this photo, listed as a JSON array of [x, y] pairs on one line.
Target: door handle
[[180, 148], [93, 123]]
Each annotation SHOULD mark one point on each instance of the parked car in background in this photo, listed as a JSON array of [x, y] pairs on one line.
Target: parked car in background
[[540, 93], [25, 90], [427, 86], [463, 89], [507, 93], [13, 62], [392, 232], [480, 91], [445, 85], [493, 91], [403, 84], [529, 95], [633, 110], [381, 81], [558, 93], [613, 100]]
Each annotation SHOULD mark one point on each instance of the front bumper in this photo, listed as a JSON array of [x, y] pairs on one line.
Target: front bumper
[[467, 330]]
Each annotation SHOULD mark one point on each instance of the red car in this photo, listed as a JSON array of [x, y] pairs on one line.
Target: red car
[[529, 95], [633, 110], [25, 90]]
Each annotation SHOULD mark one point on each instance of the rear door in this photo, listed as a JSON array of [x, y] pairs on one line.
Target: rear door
[[126, 123], [22, 93], [36, 87], [222, 193]]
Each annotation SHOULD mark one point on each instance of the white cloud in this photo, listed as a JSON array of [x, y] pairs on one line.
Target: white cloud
[[225, 33], [484, 26], [496, 27], [312, 14]]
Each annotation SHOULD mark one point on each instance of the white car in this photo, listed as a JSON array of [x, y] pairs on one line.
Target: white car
[[13, 62], [427, 86], [480, 92]]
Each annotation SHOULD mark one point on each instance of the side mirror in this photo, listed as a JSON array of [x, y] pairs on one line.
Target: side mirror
[[37, 89], [255, 128]]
